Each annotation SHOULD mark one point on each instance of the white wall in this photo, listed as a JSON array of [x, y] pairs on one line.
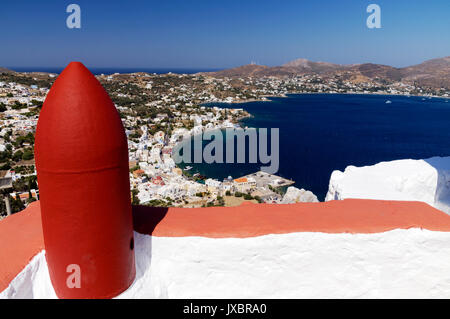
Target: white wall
[[410, 263], [410, 180]]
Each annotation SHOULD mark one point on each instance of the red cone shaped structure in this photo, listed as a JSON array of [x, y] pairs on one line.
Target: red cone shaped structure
[[82, 169]]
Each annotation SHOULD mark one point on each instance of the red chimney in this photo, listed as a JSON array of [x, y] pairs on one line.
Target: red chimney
[[82, 169]]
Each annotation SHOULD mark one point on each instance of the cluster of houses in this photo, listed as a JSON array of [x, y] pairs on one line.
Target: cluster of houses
[[12, 92], [154, 172], [156, 177]]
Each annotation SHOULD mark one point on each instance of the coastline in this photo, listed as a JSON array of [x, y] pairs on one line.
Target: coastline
[[189, 136], [377, 96], [267, 98]]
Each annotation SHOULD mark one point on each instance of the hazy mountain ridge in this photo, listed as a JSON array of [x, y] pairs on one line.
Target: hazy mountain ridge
[[305, 66], [4, 70], [433, 73]]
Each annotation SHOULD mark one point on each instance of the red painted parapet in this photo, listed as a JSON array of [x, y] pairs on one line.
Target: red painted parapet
[[82, 169]]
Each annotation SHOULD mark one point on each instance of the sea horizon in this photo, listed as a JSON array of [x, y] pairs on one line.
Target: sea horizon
[[113, 70]]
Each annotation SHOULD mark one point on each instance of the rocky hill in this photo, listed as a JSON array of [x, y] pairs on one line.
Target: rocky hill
[[253, 70], [306, 66], [433, 73]]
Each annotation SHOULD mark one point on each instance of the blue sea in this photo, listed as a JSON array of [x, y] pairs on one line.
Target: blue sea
[[320, 133], [98, 71]]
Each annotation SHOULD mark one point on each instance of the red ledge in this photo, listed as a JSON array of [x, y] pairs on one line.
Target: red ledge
[[21, 233], [21, 239]]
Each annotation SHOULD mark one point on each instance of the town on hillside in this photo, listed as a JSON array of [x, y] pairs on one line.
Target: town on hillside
[[158, 111]]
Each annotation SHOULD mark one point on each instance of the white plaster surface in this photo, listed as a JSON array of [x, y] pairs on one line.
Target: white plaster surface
[[411, 263], [409, 180]]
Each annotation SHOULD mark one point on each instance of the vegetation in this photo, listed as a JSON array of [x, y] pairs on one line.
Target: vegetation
[[42, 81], [134, 168], [276, 190], [134, 198], [25, 184], [158, 203]]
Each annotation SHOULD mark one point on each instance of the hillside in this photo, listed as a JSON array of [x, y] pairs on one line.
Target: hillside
[[253, 70], [4, 70], [306, 66], [372, 71], [433, 73]]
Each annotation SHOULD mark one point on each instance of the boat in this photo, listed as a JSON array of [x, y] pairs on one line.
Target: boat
[[187, 168], [388, 102]]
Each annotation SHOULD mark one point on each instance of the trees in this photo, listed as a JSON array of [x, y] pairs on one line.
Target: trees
[[259, 199], [157, 203], [27, 155], [17, 156], [5, 166], [16, 205], [25, 184], [5, 156], [17, 105], [221, 201], [7, 136], [24, 169], [21, 140], [2, 205], [134, 199]]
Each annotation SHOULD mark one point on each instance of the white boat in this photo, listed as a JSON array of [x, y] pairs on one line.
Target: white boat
[[388, 102], [187, 168]]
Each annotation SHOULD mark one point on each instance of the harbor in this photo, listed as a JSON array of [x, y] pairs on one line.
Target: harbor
[[263, 179]]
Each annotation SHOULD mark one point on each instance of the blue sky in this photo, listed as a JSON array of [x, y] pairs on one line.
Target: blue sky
[[219, 33]]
